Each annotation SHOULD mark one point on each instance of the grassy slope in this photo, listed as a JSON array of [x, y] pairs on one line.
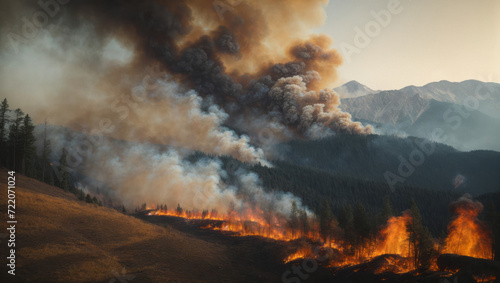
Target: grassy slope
[[62, 240]]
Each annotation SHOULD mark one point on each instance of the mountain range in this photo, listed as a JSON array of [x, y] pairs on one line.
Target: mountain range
[[466, 114]]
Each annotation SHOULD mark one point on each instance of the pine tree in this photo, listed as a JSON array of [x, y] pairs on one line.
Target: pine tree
[[345, 217], [63, 171], [304, 222], [346, 220], [14, 142], [81, 195], [269, 217], [325, 221], [360, 222], [426, 247], [45, 154], [179, 209], [419, 239], [28, 146], [88, 199], [386, 212], [294, 218]]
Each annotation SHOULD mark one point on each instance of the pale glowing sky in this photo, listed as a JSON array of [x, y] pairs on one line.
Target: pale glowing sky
[[429, 40]]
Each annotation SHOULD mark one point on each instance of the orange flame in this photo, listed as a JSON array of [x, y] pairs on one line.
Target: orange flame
[[303, 252], [394, 237], [486, 278], [251, 222], [466, 234]]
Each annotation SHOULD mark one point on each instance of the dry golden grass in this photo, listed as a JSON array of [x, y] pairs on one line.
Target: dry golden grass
[[60, 239]]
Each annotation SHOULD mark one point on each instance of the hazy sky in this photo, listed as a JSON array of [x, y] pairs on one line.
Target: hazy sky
[[426, 41]]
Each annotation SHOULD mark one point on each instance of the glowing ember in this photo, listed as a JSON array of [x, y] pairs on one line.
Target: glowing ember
[[393, 264], [301, 253], [485, 278]]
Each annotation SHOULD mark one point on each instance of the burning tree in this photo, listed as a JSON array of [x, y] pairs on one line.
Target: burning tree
[[179, 209], [304, 223], [294, 218], [325, 221], [204, 214], [466, 234]]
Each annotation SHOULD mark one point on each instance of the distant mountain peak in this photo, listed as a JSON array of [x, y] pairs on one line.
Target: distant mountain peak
[[353, 89], [354, 84]]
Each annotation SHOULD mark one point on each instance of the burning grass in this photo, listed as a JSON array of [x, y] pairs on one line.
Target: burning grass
[[390, 250], [392, 238], [251, 222]]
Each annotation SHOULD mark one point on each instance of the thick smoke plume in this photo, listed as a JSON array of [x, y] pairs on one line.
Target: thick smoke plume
[[231, 57], [186, 74], [465, 205], [175, 118]]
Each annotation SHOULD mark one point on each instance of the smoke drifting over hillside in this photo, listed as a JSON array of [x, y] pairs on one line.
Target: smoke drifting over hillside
[[164, 177], [176, 72]]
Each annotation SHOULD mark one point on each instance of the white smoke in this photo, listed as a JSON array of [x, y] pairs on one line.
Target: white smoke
[[168, 116], [315, 113]]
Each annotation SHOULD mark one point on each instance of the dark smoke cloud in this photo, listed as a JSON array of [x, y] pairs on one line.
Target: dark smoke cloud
[[226, 41], [191, 42], [466, 205], [255, 68], [287, 70]]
